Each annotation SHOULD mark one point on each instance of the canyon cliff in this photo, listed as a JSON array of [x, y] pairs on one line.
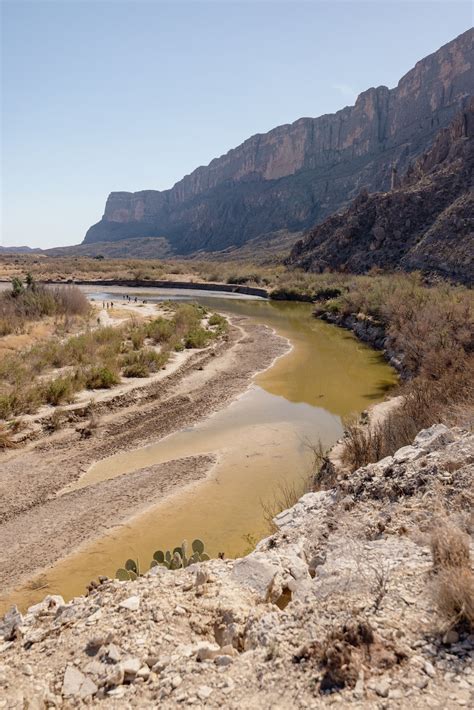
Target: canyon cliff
[[298, 174], [425, 222]]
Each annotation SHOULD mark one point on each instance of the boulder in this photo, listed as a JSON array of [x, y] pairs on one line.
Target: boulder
[[434, 438], [257, 573]]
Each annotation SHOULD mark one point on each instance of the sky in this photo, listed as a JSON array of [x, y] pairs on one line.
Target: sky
[[107, 95]]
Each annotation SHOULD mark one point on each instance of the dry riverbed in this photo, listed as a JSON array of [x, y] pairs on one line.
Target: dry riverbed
[[39, 524]]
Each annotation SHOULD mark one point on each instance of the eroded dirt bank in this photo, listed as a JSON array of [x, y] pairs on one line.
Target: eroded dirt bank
[[39, 527]]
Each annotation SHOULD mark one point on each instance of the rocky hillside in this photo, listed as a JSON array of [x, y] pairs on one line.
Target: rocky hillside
[[425, 222], [297, 174], [345, 603]]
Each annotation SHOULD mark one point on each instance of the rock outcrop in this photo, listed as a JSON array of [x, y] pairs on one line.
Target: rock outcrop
[[336, 601], [297, 174], [426, 222]]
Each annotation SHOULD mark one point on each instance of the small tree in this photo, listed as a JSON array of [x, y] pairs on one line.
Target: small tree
[[17, 287]]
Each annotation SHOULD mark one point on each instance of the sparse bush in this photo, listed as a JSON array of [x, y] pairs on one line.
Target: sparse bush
[[143, 363], [59, 390], [197, 337], [100, 378], [449, 548], [219, 322], [160, 330], [453, 584]]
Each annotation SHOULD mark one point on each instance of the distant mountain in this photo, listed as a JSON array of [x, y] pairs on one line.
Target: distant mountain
[[425, 222], [146, 248], [19, 250], [298, 174]]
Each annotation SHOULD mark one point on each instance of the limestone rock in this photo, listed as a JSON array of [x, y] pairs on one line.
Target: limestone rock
[[131, 604], [433, 438], [256, 573], [76, 684]]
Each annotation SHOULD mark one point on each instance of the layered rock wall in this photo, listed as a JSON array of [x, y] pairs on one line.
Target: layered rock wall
[[295, 174]]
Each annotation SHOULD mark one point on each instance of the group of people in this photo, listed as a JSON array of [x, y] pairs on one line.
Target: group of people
[[132, 300]]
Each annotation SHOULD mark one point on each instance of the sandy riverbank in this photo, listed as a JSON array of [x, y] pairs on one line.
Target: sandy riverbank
[[42, 527]]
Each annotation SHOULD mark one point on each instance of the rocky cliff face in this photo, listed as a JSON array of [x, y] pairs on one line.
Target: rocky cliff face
[[297, 174], [426, 222]]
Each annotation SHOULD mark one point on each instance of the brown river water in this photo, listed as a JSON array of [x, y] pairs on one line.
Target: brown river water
[[261, 441]]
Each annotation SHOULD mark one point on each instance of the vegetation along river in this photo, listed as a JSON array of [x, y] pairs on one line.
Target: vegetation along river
[[261, 441]]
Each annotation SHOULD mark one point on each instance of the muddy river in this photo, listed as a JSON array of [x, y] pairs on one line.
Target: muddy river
[[262, 442]]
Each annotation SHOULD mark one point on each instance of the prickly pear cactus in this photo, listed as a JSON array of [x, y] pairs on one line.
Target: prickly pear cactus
[[198, 546], [178, 559]]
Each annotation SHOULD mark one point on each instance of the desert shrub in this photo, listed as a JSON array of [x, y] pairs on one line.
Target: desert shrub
[[454, 595], [197, 337], [100, 377], [59, 390], [160, 330], [334, 305], [449, 548], [453, 584], [143, 363], [219, 322], [71, 301], [137, 336]]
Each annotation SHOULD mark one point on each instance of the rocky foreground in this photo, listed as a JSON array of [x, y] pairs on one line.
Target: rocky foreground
[[337, 606]]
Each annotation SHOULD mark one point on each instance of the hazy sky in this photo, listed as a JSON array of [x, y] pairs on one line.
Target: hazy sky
[[133, 94]]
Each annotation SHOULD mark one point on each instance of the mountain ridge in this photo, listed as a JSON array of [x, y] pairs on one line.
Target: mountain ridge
[[425, 222], [299, 173]]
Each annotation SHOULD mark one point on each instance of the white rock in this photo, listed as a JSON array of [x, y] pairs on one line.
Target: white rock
[[381, 687], [203, 692], [130, 665], [144, 672], [434, 438], [256, 572], [77, 684], [408, 453], [113, 653], [429, 669], [176, 681], [132, 604], [207, 651]]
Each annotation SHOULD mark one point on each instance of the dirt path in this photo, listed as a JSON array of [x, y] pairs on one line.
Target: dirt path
[[29, 522]]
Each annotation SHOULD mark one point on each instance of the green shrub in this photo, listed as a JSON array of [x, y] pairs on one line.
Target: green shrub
[[143, 363], [59, 390], [219, 321], [197, 337], [100, 378], [160, 330]]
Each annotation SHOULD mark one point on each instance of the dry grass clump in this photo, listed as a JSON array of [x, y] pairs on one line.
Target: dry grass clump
[[346, 650], [453, 584], [285, 496]]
